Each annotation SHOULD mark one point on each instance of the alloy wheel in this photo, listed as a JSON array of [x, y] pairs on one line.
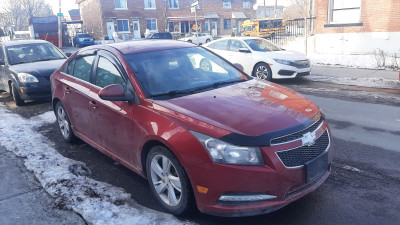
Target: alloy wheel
[[165, 180], [63, 122], [262, 72]]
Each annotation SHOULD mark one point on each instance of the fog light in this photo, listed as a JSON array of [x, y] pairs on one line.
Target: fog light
[[245, 198]]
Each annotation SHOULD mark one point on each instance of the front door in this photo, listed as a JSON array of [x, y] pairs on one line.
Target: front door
[[110, 29], [136, 29], [242, 58], [214, 28], [113, 125]]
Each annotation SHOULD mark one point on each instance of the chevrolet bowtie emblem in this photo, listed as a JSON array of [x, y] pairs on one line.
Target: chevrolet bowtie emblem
[[308, 139]]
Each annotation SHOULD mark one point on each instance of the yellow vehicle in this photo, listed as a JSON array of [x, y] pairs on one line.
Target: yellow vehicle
[[266, 28]]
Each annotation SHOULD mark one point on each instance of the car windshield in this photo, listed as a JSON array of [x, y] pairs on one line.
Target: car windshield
[[29, 53], [172, 73], [261, 45], [83, 35]]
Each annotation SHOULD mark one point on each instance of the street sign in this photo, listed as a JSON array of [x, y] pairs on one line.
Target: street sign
[[60, 14], [195, 3], [193, 9]]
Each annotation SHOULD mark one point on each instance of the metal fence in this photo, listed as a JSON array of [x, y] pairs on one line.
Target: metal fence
[[293, 28]]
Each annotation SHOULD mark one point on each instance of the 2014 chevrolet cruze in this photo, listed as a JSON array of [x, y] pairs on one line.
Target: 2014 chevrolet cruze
[[211, 137]]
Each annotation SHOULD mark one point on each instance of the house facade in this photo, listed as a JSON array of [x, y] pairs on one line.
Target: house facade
[[268, 11], [357, 26], [131, 19]]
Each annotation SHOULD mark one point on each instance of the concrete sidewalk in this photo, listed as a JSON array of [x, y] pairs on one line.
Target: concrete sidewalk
[[23, 200], [355, 72]]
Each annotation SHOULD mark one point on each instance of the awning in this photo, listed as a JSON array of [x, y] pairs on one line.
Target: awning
[[238, 15], [180, 19], [211, 16]]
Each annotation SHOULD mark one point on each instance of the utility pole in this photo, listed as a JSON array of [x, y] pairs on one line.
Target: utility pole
[[59, 26], [265, 11], [275, 6], [306, 27]]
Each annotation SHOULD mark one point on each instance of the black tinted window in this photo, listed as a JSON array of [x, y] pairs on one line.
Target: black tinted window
[[107, 74], [83, 67]]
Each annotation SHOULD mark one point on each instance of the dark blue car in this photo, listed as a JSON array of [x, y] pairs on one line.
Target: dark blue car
[[81, 40], [25, 69]]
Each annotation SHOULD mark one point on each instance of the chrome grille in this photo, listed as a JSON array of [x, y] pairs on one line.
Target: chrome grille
[[297, 135], [298, 156]]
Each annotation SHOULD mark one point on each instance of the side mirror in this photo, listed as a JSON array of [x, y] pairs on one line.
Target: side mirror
[[245, 50], [114, 92], [237, 65]]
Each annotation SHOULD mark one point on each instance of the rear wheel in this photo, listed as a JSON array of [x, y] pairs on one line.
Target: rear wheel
[[208, 40], [16, 96], [168, 181], [64, 123], [262, 71]]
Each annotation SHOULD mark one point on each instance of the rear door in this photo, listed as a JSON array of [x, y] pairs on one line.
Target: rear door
[[242, 58], [76, 86], [221, 48], [112, 120]]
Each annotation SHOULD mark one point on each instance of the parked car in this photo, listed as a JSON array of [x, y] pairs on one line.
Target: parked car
[[261, 58], [203, 38], [164, 35], [187, 129], [25, 68], [81, 40]]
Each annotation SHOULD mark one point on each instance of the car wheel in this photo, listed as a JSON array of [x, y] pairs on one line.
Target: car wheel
[[16, 96], [262, 71], [208, 40], [190, 41], [205, 65], [168, 181], [64, 123]]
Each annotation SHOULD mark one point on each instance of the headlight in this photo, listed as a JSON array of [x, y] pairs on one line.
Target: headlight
[[27, 78], [284, 62], [222, 152]]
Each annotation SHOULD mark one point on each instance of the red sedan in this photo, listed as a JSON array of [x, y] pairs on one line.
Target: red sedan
[[200, 130]]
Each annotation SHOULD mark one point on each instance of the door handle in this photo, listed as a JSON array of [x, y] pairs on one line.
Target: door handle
[[93, 104], [67, 90]]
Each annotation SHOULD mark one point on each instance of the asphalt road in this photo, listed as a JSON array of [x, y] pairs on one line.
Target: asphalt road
[[365, 181]]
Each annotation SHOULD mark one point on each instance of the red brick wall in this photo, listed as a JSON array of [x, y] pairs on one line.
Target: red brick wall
[[136, 10], [376, 16], [91, 14]]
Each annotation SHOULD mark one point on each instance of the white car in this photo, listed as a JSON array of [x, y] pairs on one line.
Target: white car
[[203, 38], [260, 58]]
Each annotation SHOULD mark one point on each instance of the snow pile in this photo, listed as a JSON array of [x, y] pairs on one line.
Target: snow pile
[[65, 180], [354, 61]]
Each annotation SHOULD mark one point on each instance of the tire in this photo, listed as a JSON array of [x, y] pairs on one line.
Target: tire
[[64, 123], [262, 71], [190, 41], [208, 40], [16, 96], [176, 200], [205, 65]]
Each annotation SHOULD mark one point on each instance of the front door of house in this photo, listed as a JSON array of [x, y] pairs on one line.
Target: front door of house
[[214, 25], [136, 29], [110, 29]]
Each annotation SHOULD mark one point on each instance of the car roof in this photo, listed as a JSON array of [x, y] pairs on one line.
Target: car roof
[[24, 42], [141, 46]]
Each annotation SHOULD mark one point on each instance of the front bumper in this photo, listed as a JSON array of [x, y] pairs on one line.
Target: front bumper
[[36, 91], [272, 179], [280, 71]]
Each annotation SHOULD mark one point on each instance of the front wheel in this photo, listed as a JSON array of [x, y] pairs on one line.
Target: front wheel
[[190, 41], [16, 96], [208, 40], [168, 181], [262, 71]]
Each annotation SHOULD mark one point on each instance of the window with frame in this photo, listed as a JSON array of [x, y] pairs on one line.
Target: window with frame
[[344, 11], [121, 4], [149, 4], [246, 4], [82, 68], [173, 4], [236, 45], [220, 45], [226, 4], [151, 24], [108, 74], [69, 69], [227, 24], [123, 25]]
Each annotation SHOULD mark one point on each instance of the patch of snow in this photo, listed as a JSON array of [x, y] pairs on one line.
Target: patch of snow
[[353, 61], [65, 180]]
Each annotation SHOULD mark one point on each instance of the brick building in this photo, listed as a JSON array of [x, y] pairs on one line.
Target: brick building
[[131, 18], [357, 26]]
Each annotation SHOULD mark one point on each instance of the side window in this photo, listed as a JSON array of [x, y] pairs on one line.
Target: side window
[[69, 68], [221, 45], [1, 55], [156, 35], [108, 74], [235, 45], [83, 67]]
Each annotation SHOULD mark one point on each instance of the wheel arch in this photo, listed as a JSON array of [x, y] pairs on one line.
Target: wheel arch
[[146, 149]]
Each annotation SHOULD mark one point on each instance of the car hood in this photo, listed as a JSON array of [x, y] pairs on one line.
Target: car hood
[[250, 108], [286, 55], [41, 69]]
